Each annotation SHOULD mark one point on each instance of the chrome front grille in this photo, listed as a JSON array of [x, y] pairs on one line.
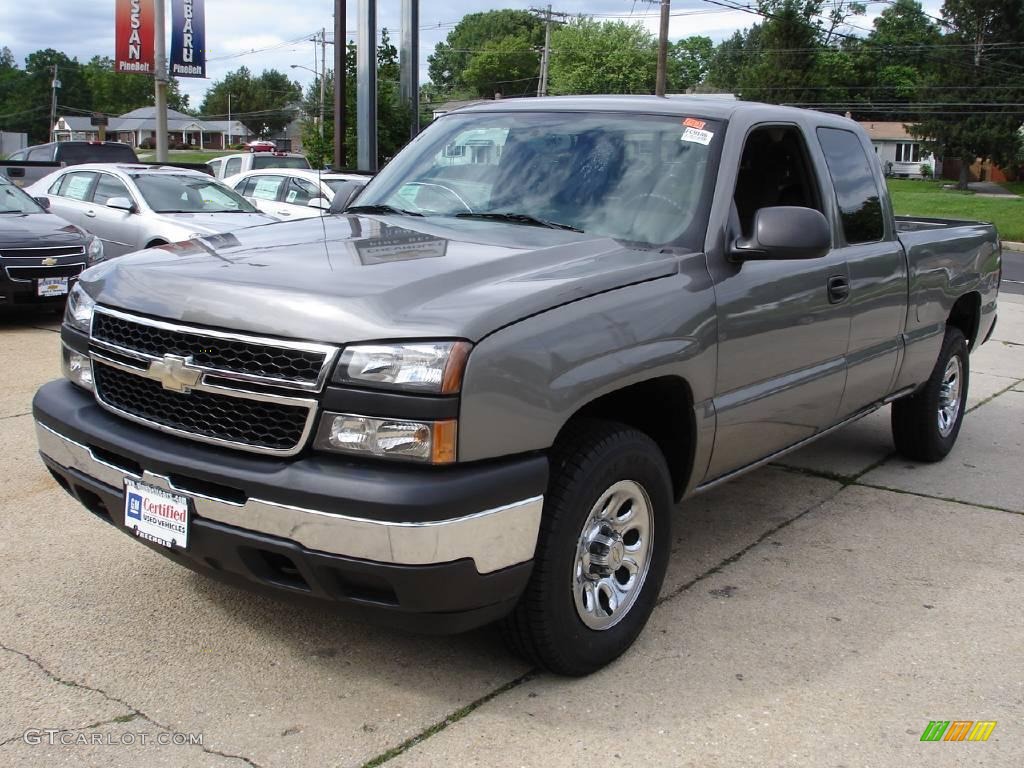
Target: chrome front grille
[[246, 392]]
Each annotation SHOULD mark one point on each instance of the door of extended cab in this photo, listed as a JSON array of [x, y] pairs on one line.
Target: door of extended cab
[[783, 325], [877, 264]]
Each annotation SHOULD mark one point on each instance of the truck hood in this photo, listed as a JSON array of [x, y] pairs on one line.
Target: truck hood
[[212, 223], [355, 278], [34, 230]]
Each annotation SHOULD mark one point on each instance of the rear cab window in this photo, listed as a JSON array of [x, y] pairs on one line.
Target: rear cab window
[[74, 154], [860, 203], [261, 162]]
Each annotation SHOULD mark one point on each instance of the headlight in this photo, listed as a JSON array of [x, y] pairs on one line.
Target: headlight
[[433, 442], [77, 368], [94, 250], [428, 367], [79, 309]]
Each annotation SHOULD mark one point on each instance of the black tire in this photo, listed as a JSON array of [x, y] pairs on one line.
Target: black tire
[[545, 627], [915, 418]]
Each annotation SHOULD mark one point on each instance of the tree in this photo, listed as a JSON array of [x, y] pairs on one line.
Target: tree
[[503, 37], [508, 66], [983, 57], [392, 115], [115, 93], [602, 57], [789, 48], [689, 60], [264, 104]]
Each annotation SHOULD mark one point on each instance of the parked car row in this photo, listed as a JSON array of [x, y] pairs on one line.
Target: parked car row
[[81, 212]]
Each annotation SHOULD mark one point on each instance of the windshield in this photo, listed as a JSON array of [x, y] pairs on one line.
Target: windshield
[[637, 178], [259, 162], [167, 193], [13, 200]]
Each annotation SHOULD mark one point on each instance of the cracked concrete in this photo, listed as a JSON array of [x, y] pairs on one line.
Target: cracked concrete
[[807, 618]]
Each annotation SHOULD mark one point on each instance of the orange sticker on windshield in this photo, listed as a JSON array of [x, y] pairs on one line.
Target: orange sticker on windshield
[[692, 122]]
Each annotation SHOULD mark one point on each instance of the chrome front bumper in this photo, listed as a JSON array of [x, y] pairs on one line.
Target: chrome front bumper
[[493, 538]]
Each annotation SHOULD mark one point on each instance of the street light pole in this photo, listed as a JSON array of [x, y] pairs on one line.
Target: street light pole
[[340, 51], [229, 120], [160, 80], [53, 104]]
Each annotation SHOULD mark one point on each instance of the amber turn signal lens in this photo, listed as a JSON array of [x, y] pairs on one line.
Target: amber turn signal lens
[[445, 442], [455, 368]]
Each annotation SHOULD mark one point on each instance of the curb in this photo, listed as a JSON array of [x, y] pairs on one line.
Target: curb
[[1009, 245]]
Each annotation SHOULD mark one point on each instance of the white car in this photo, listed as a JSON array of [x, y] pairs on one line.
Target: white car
[[230, 165], [130, 207], [292, 193]]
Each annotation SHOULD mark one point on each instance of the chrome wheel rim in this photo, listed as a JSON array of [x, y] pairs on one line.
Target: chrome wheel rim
[[613, 555], [949, 395]]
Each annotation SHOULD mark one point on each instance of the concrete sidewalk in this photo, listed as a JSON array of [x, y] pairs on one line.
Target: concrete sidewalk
[[819, 612]]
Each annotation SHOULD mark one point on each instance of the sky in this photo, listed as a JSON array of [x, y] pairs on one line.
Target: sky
[[264, 34]]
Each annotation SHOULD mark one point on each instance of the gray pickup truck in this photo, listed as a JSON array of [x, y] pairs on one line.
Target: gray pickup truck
[[478, 394]]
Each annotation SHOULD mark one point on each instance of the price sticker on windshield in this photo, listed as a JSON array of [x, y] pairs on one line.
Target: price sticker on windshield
[[697, 136]]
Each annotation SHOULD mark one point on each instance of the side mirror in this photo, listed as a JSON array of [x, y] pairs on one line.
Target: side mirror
[[320, 202], [345, 194], [784, 232], [121, 204], [44, 202]]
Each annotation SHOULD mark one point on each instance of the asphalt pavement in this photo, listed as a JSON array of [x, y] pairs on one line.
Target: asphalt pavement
[[1013, 272], [819, 612]]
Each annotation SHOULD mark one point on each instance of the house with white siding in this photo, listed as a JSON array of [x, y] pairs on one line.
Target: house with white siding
[[899, 152]]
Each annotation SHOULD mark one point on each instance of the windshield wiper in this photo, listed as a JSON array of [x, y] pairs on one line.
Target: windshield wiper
[[381, 208], [519, 218]]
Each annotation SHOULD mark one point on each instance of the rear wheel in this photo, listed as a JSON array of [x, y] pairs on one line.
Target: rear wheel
[[602, 551], [925, 425]]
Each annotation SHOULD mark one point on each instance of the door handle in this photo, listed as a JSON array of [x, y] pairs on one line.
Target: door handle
[[838, 289], [91, 214], [284, 213]]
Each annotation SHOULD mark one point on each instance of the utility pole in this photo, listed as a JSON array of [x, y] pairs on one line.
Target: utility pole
[[547, 15], [160, 80], [340, 52], [409, 63], [659, 85], [53, 103], [229, 119], [366, 86], [323, 79]]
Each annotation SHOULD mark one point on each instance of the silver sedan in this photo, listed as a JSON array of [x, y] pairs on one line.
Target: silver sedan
[[130, 207]]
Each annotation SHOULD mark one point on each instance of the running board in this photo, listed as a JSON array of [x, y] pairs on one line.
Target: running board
[[797, 446]]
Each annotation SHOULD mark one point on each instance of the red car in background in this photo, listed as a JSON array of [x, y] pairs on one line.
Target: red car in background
[[261, 145]]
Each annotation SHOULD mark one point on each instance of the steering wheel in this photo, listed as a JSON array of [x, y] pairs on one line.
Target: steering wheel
[[449, 190]]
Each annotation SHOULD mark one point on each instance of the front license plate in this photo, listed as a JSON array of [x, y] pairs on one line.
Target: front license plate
[[155, 514], [52, 286]]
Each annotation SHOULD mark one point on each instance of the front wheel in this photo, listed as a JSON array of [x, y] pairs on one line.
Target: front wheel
[[926, 424], [602, 551]]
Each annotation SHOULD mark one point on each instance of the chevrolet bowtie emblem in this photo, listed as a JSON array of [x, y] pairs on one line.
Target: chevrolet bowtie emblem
[[175, 373], [49, 261]]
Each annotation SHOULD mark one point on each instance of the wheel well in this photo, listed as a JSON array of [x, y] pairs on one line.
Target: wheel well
[[661, 408], [966, 315]]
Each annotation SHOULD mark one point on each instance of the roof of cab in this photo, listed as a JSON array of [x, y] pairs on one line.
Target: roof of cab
[[711, 107]]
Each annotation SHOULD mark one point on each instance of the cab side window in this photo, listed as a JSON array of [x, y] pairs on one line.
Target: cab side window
[[232, 166], [775, 170], [860, 205], [41, 154]]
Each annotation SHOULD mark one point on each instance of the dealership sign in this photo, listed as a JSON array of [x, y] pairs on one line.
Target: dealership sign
[[188, 38], [134, 35]]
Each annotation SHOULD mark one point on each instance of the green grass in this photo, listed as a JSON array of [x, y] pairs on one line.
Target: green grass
[[186, 156], [928, 198], [1017, 187]]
